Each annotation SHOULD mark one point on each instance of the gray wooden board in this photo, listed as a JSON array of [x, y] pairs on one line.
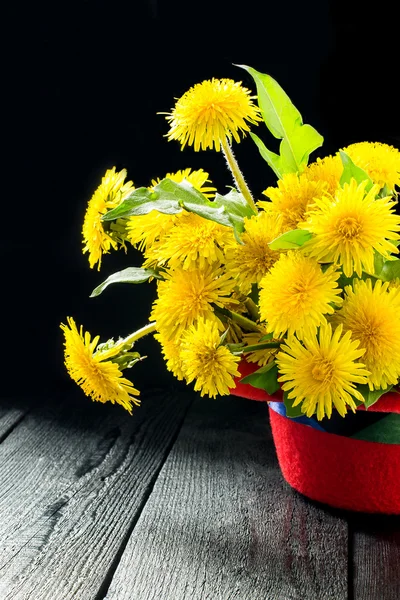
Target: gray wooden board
[[222, 524], [376, 556], [12, 411], [73, 480]]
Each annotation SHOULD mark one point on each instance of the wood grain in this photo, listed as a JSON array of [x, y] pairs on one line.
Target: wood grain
[[73, 481], [11, 413], [376, 557], [221, 523]]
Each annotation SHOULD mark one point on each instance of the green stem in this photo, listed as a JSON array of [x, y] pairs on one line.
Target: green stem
[[136, 335], [252, 308], [237, 174], [244, 322], [262, 346]]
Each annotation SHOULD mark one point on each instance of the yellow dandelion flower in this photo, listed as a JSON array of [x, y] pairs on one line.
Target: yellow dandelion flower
[[328, 169], [110, 193], [380, 161], [348, 229], [94, 371], [261, 357], [212, 366], [187, 295], [372, 314], [211, 111], [171, 351], [322, 372], [252, 260], [291, 199], [198, 179], [193, 241], [295, 295], [144, 231]]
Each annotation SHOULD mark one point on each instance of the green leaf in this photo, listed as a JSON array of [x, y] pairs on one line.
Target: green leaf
[[261, 346], [170, 197], [276, 162], [229, 209], [285, 122], [290, 239], [385, 191], [128, 359], [343, 281], [129, 275], [351, 171], [390, 270], [304, 139], [255, 293], [379, 261], [265, 378], [266, 338], [279, 113], [142, 201], [222, 337], [369, 396], [236, 207], [386, 431], [291, 411]]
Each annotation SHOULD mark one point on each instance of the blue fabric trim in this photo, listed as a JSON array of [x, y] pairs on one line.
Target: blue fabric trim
[[280, 408]]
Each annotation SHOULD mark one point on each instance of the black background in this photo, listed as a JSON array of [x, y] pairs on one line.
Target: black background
[[86, 80]]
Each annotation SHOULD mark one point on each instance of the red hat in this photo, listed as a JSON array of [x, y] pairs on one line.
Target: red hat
[[334, 469]]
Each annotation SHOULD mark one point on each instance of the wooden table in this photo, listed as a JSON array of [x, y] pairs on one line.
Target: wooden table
[[184, 500]]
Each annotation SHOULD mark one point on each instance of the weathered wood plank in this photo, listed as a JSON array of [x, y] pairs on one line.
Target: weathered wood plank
[[73, 481], [222, 524], [11, 413], [376, 552]]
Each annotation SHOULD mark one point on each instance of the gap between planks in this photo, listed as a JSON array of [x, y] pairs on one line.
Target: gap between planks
[[74, 479], [221, 524]]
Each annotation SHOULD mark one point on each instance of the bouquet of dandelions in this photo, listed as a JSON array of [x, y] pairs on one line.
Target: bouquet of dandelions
[[304, 283]]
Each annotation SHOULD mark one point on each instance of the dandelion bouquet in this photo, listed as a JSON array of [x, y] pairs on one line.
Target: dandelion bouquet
[[302, 283]]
